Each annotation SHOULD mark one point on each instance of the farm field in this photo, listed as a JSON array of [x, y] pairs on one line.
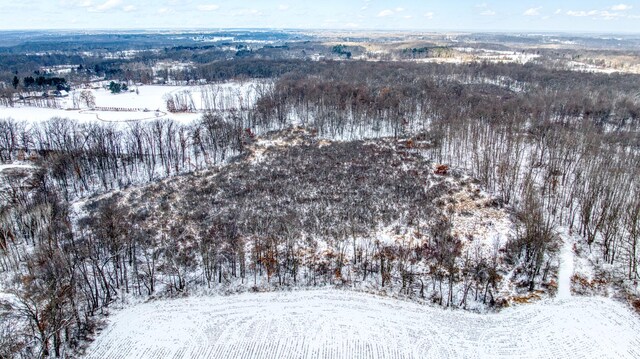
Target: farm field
[[342, 324]]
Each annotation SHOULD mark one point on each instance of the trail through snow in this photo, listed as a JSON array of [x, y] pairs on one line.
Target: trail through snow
[[565, 272], [341, 324]]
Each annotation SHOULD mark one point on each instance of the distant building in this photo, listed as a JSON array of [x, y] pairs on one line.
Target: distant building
[[56, 93]]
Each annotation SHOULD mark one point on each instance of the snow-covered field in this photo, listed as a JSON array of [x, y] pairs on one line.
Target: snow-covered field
[[148, 103], [498, 56], [343, 324]]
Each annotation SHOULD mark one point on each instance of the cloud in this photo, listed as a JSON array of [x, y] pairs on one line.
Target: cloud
[[429, 15], [247, 12], [163, 10], [106, 6], [621, 7], [208, 7], [581, 13], [486, 11], [65, 3], [389, 12], [283, 7], [609, 15], [612, 13], [558, 12], [534, 11], [596, 14]]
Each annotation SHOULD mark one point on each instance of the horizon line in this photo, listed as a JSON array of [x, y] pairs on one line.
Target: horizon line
[[355, 30]]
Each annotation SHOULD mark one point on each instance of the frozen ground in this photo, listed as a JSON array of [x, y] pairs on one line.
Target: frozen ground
[[342, 324]]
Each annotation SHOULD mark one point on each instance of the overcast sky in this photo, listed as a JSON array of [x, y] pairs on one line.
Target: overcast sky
[[511, 15]]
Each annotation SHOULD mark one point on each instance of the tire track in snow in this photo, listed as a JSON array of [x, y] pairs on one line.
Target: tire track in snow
[[336, 324]]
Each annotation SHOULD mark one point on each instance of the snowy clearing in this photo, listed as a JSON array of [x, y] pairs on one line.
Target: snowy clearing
[[342, 324], [148, 103]]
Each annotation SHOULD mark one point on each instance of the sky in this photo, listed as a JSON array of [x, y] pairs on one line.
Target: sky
[[599, 16]]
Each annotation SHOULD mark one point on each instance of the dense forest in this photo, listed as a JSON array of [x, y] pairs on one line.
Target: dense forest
[[164, 208]]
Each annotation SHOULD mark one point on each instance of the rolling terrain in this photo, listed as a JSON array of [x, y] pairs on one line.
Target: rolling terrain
[[327, 323]]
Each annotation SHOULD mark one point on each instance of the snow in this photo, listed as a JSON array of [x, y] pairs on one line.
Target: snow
[[150, 97], [583, 67], [149, 103], [565, 271], [37, 114], [442, 60], [342, 324], [499, 56]]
